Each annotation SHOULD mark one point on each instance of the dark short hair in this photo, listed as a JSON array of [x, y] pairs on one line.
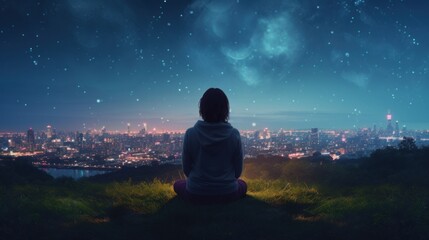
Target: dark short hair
[[214, 106]]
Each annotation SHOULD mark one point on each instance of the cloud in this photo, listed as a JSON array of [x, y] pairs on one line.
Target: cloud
[[250, 43], [237, 54], [361, 80], [248, 74], [277, 36]]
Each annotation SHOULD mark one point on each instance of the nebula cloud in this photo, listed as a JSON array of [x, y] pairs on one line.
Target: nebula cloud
[[250, 41]]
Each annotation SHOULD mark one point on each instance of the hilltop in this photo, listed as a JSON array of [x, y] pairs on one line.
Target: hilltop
[[384, 196]]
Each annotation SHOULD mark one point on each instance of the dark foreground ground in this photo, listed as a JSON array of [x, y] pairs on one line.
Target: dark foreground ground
[[385, 196]]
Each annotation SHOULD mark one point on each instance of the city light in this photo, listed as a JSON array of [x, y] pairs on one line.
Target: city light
[[101, 148]]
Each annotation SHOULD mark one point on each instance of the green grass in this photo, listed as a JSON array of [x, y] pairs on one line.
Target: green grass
[[315, 202], [144, 197], [280, 192]]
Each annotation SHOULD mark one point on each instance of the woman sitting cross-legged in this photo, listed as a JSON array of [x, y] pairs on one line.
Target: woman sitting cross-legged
[[212, 155]]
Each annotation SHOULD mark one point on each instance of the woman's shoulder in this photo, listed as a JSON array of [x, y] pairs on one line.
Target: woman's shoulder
[[235, 134], [235, 131], [190, 131]]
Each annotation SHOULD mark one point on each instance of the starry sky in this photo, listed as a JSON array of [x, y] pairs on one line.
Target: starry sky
[[78, 64]]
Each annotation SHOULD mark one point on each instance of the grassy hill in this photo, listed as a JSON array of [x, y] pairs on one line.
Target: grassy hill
[[385, 196]]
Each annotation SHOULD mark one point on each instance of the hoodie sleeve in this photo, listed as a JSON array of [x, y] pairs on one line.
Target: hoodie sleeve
[[186, 157], [238, 157]]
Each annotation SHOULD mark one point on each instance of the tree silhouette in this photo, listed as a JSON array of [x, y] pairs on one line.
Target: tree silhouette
[[408, 144]]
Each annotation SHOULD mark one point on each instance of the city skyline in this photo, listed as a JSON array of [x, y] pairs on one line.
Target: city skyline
[[139, 126], [79, 65], [142, 128]]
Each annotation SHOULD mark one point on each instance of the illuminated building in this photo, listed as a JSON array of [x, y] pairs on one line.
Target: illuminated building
[[397, 128], [11, 143], [79, 139], [166, 137], [128, 129], [256, 135], [30, 139], [389, 128], [404, 129], [49, 131], [143, 131], [265, 134], [314, 138]]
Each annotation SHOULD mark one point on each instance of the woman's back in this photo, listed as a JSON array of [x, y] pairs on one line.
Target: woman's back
[[212, 154], [212, 158]]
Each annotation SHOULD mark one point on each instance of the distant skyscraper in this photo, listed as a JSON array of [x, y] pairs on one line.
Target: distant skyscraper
[[31, 139], [166, 137], [265, 134], [404, 128], [389, 128], [143, 131], [49, 132], [314, 138], [397, 128], [79, 139], [256, 135], [128, 129], [11, 143], [281, 132]]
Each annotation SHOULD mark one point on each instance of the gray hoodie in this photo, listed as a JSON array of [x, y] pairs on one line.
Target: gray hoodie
[[212, 158]]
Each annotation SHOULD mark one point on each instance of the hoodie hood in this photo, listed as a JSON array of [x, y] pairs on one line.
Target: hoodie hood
[[212, 133]]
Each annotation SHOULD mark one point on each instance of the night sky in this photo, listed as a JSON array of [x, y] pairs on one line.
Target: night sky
[[79, 64]]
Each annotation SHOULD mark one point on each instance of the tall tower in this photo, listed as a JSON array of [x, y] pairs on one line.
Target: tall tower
[[79, 139], [389, 128], [31, 139], [314, 138], [397, 128], [265, 134], [49, 131], [143, 131], [128, 129]]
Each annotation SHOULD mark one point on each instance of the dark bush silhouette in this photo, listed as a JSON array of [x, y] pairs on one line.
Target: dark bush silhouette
[[408, 144], [21, 171], [406, 164]]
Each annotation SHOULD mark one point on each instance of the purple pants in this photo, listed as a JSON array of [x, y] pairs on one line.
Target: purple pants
[[180, 188]]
